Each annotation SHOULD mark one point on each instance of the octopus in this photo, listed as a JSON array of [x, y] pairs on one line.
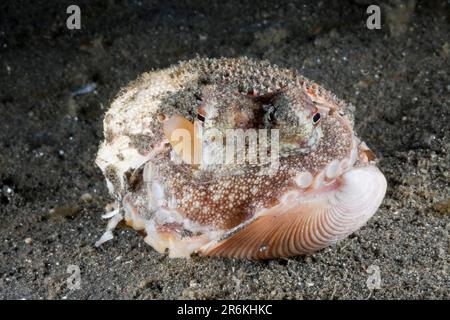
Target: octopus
[[236, 158]]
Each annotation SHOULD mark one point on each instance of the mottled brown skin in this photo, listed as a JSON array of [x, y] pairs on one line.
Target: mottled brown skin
[[235, 110], [226, 200], [289, 109], [232, 194], [259, 106]]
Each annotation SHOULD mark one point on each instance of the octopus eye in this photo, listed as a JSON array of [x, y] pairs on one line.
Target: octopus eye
[[201, 117], [201, 114], [316, 118]]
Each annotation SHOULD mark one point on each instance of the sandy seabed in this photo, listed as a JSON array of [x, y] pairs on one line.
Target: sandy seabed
[[52, 195]]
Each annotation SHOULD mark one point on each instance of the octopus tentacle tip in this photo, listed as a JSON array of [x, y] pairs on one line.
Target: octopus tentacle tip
[[167, 164]]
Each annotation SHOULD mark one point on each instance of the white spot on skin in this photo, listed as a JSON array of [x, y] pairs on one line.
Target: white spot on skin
[[318, 180], [333, 170], [158, 191], [344, 164], [304, 179]]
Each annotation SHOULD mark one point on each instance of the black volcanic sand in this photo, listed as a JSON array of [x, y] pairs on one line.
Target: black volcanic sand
[[52, 195]]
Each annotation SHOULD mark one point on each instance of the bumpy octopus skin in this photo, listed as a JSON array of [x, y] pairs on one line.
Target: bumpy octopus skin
[[325, 187]]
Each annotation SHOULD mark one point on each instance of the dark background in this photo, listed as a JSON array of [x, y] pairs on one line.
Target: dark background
[[52, 195]]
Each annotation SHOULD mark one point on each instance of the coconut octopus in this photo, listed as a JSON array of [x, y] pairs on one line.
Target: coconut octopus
[[325, 184]]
